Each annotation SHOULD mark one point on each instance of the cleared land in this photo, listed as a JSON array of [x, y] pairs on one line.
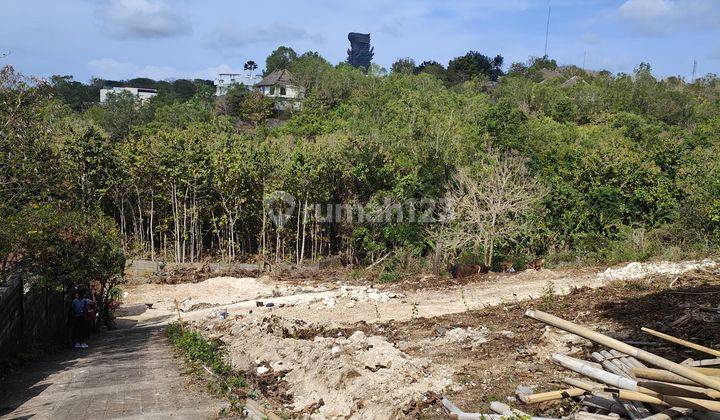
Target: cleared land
[[333, 346]]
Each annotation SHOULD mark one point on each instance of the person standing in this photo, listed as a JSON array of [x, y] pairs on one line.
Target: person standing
[[81, 313]]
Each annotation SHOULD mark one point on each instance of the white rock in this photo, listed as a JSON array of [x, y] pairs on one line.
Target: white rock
[[357, 336], [262, 369]]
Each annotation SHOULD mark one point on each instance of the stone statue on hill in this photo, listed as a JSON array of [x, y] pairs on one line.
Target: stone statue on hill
[[360, 53]]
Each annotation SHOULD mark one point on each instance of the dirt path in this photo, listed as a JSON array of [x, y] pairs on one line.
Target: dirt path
[[339, 303], [126, 373]]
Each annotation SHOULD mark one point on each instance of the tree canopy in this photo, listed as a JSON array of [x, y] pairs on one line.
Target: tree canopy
[[627, 163]]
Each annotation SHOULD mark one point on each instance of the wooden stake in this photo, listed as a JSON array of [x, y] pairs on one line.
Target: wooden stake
[[643, 355], [550, 395], [682, 342]]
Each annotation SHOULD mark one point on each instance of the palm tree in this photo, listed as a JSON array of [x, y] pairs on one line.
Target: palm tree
[[250, 66]]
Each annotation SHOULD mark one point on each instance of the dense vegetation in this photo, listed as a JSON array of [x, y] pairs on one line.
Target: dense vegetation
[[629, 164]]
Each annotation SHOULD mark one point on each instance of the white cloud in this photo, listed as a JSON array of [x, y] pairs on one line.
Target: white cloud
[[661, 17], [143, 19], [109, 68], [231, 35], [211, 73]]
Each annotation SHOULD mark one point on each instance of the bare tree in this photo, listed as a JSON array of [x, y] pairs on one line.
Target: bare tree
[[490, 204]]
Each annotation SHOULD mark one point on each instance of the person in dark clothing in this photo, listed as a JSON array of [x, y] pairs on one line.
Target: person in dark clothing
[[80, 322]]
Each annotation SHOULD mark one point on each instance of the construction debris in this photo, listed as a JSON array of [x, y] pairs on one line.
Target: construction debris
[[622, 386]]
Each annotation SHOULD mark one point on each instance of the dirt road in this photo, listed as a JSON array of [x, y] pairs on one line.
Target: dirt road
[[338, 302]]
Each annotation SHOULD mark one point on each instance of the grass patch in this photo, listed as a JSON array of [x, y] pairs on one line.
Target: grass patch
[[388, 277], [204, 356]]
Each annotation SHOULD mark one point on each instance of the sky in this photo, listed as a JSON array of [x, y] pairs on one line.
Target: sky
[[169, 39]]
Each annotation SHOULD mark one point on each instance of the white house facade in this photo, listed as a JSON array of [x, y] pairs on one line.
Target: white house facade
[[224, 81], [141, 94], [280, 86]]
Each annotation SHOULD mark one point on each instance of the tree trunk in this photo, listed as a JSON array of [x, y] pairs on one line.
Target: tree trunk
[[304, 222], [152, 214]]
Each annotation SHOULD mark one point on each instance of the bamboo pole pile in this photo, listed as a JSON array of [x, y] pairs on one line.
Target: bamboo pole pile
[[624, 381]]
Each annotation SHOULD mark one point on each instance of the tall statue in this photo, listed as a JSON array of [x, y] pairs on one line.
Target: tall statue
[[360, 53]]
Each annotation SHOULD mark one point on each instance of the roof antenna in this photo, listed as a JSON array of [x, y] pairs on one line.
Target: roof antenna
[[547, 30]]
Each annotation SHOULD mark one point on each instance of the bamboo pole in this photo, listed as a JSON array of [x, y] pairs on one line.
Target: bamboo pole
[[643, 355], [584, 415], [608, 403], [595, 373], [582, 384], [506, 410], [706, 362], [670, 413], [661, 375], [551, 395], [704, 415], [608, 365], [682, 342], [456, 413], [615, 365], [668, 400], [629, 360], [678, 390]]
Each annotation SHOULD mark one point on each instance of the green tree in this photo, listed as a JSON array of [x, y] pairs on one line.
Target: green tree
[[281, 58], [403, 65], [432, 68], [308, 67], [117, 115], [76, 95], [473, 64]]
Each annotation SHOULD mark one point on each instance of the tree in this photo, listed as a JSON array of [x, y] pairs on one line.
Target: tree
[[473, 64], [377, 70], [491, 204], [433, 68], [75, 94], [280, 59], [117, 115], [255, 108], [250, 66], [308, 67], [403, 65]]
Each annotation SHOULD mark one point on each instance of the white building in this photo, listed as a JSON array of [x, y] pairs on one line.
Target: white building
[[141, 94], [225, 80], [280, 86]]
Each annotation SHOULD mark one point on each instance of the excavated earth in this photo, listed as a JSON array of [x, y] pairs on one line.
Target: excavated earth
[[328, 346]]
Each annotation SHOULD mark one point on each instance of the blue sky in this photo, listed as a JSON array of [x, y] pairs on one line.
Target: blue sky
[[199, 38]]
